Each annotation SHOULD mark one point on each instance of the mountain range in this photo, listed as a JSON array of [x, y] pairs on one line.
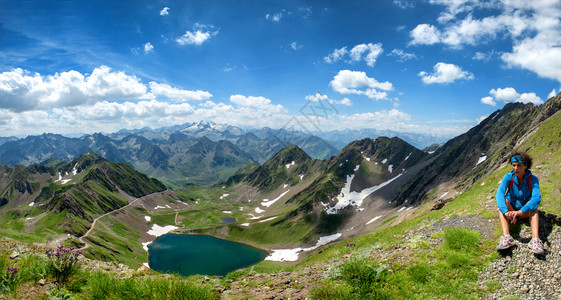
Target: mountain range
[[290, 200]]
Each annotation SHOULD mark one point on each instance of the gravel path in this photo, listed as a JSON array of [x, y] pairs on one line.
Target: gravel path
[[523, 274]]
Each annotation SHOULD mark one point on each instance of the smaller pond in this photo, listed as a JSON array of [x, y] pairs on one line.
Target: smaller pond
[[200, 254]]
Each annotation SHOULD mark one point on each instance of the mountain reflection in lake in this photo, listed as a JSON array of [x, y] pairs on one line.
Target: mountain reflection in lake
[[200, 254]]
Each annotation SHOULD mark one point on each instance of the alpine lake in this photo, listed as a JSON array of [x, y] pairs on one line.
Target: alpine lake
[[200, 254]]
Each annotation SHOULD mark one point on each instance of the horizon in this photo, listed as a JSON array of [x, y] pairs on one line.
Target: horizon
[[435, 67]]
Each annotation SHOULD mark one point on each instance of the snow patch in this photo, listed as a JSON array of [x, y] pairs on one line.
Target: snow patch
[[158, 230], [290, 164], [292, 254], [284, 187], [224, 196], [159, 207], [267, 220], [390, 168], [482, 158], [244, 224], [443, 195], [268, 203], [301, 176], [385, 160], [226, 211], [259, 210], [75, 170], [408, 156], [374, 219], [32, 203], [147, 218], [347, 197]]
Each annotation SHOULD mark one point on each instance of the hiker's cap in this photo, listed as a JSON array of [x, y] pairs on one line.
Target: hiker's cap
[[517, 159]]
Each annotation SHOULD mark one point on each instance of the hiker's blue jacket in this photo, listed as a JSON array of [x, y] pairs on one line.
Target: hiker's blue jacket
[[520, 196]]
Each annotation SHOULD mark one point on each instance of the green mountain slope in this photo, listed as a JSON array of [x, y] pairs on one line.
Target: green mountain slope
[[55, 203]]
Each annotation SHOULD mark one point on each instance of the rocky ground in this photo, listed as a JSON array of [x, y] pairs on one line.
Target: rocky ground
[[523, 274]]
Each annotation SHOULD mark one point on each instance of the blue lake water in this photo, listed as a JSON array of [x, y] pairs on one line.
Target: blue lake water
[[200, 254]]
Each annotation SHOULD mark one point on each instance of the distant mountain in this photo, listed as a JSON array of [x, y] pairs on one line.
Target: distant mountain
[[340, 138], [4, 140]]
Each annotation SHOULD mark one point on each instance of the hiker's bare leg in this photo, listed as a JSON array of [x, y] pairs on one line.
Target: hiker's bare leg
[[535, 223], [504, 223], [504, 220]]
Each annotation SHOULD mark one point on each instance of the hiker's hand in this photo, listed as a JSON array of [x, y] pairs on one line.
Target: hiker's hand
[[511, 215]]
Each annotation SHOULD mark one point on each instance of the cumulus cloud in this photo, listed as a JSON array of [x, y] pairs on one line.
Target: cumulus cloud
[[179, 95], [369, 52], [200, 34], [509, 94], [317, 97], [164, 11], [445, 73], [552, 94], [355, 82], [424, 34], [148, 47], [533, 27], [489, 101], [20, 90]]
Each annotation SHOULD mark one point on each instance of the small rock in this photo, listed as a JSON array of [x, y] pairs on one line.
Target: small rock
[[524, 290], [42, 282], [14, 255]]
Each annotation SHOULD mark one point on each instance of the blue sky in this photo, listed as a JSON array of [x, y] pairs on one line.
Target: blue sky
[[429, 66]]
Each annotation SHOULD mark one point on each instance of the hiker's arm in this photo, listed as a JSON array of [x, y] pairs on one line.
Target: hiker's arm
[[536, 197], [500, 196]]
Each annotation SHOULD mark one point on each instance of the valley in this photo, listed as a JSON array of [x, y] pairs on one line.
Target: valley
[[373, 194]]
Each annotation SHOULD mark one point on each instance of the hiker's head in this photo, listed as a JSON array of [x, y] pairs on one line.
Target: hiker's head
[[520, 157]]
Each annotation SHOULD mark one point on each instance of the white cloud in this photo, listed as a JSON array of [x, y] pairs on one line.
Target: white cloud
[[403, 4], [445, 73], [480, 119], [355, 82], [164, 11], [20, 90], [509, 94], [336, 55], [276, 17], [489, 101], [345, 101], [199, 35], [148, 47], [162, 89], [533, 27], [295, 46], [369, 52], [552, 94], [424, 34], [316, 97], [402, 56]]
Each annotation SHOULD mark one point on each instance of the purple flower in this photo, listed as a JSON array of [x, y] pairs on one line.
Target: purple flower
[[80, 252], [14, 271]]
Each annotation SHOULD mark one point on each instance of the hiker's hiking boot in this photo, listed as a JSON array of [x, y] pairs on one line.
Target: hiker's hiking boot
[[536, 245], [506, 242]]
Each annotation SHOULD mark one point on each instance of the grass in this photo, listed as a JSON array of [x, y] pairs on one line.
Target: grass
[[86, 284], [448, 271]]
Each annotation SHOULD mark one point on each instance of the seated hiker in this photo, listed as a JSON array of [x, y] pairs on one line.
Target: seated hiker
[[518, 197]]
